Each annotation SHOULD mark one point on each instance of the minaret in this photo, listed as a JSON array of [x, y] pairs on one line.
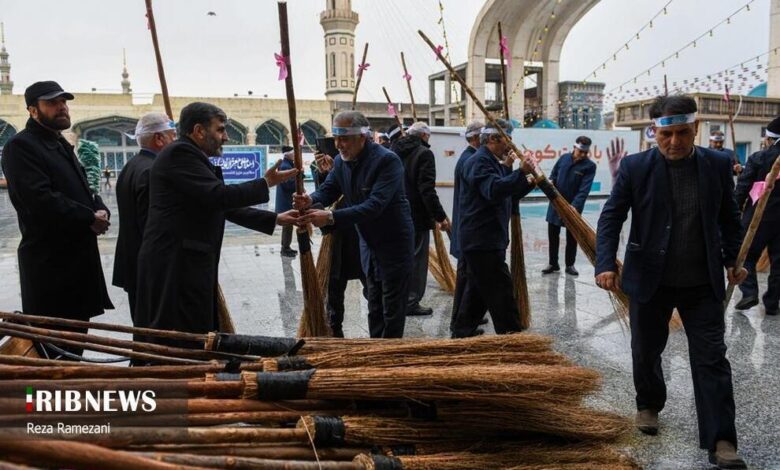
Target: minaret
[[339, 23], [6, 85], [125, 82]]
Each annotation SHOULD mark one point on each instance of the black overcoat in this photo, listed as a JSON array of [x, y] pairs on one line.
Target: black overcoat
[[177, 264], [59, 263]]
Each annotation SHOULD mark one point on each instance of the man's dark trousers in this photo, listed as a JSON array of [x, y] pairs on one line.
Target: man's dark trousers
[[387, 300], [488, 287], [767, 236], [419, 275], [554, 236], [702, 317]]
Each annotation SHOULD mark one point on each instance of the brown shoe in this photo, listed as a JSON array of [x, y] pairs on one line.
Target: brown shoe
[[647, 421], [725, 456]]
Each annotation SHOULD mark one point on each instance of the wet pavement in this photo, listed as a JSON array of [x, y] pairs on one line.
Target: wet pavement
[[263, 291]]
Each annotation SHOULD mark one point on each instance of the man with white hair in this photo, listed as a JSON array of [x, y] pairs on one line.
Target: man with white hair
[[153, 132], [427, 212]]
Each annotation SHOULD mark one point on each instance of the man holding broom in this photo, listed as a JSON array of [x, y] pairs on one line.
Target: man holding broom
[[767, 236], [685, 229], [487, 189], [371, 179], [188, 205]]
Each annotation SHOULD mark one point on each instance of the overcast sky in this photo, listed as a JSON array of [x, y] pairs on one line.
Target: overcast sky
[[79, 42]]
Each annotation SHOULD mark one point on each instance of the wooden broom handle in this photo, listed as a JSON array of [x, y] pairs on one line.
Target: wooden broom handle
[[397, 119], [158, 58], [409, 86], [360, 76], [288, 84], [503, 74]]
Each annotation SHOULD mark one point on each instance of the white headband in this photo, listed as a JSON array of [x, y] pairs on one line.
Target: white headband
[[152, 128], [583, 147], [717, 138], [470, 134], [393, 132], [674, 120], [355, 130], [772, 134], [490, 130]]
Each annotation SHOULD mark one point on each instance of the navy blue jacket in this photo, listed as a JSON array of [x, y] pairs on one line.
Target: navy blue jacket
[[573, 181], [284, 190], [375, 201], [454, 241], [756, 169], [487, 191], [642, 186]]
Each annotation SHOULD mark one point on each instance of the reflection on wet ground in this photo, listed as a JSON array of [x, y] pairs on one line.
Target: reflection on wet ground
[[263, 292]]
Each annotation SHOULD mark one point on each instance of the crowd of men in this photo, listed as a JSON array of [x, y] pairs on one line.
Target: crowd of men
[[379, 201]]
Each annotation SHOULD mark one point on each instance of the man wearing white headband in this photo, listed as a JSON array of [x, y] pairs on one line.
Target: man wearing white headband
[[371, 180], [152, 132], [573, 175], [717, 141], [488, 189], [767, 236], [685, 230], [420, 184]]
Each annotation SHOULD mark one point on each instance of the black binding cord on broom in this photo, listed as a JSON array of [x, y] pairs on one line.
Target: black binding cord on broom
[[380, 462], [255, 345], [77, 357], [288, 363], [283, 385]]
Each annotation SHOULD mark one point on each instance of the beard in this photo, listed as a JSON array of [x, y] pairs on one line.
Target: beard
[[58, 122], [213, 146]]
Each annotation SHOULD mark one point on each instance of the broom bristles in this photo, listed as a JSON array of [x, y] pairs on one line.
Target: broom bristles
[[762, 265], [313, 318], [325, 261], [448, 273], [436, 271], [223, 314], [519, 280]]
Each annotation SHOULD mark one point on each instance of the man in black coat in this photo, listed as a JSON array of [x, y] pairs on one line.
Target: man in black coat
[[188, 205], [153, 132], [59, 217], [685, 230], [427, 212], [767, 236]]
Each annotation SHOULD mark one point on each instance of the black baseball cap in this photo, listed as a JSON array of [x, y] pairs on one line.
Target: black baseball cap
[[44, 91], [287, 148]]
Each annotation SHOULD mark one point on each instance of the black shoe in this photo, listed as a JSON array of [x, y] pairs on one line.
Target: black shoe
[[725, 456], [772, 311], [571, 271], [289, 252], [419, 311], [551, 269], [484, 321], [647, 421], [747, 302]]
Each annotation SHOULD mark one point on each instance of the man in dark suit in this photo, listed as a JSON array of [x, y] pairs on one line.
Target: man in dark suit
[[283, 200], [573, 175], [371, 179], [685, 229], [59, 217], [188, 205], [488, 189], [768, 234], [153, 132]]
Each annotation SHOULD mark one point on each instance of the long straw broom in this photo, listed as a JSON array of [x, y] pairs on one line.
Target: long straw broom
[[438, 260], [517, 254], [225, 322], [583, 233], [755, 222], [313, 321], [361, 69]]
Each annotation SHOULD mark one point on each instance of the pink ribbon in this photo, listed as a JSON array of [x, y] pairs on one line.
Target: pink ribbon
[[407, 77], [438, 51], [758, 189], [281, 62], [361, 68], [391, 110], [504, 45]]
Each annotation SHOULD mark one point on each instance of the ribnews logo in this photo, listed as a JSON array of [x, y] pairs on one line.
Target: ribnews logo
[[100, 401]]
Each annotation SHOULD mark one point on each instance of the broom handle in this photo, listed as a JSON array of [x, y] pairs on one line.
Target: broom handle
[[40, 320], [290, 90], [503, 74], [731, 126], [409, 86], [395, 115], [127, 436], [235, 461], [755, 221], [360, 76], [158, 58]]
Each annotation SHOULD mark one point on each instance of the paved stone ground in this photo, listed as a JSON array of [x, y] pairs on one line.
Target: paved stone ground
[[263, 293]]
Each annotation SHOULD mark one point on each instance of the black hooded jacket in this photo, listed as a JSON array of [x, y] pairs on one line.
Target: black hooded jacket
[[420, 181]]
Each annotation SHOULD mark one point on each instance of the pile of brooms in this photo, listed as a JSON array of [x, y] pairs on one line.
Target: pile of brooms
[[253, 402]]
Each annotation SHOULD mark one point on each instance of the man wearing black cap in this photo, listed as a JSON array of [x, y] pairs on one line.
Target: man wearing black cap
[[59, 217], [283, 202], [717, 141], [768, 234]]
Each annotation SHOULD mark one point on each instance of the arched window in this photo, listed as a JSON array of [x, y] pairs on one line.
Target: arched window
[[6, 132], [236, 133], [110, 134], [312, 130], [344, 61], [332, 64], [352, 65], [271, 133]]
